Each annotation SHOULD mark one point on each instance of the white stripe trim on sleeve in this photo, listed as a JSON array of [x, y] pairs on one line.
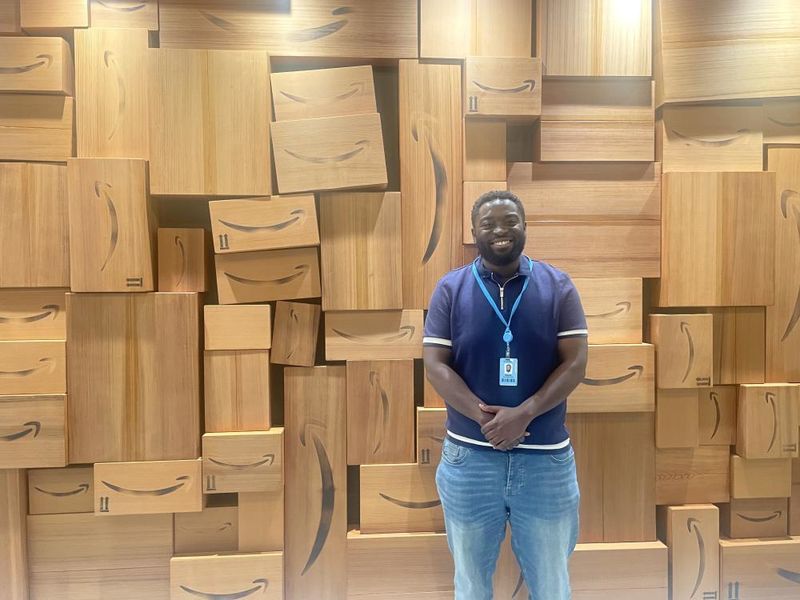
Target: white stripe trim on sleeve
[[573, 332], [437, 341]]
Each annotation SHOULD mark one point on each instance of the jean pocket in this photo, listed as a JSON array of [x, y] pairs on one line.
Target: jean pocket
[[563, 458], [454, 454]]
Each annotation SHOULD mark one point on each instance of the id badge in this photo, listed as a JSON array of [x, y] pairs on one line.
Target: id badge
[[508, 371]]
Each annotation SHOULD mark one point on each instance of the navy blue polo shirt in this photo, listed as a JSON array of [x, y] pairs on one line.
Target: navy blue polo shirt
[[460, 318]]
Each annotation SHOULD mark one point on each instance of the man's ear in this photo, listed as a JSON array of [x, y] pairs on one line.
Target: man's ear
[[472, 229]]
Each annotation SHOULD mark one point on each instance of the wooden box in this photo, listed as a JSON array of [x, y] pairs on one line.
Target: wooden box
[[33, 367], [209, 122], [248, 461], [33, 315], [267, 275], [472, 191], [503, 87], [214, 529], [759, 568], [33, 431], [261, 523], [13, 551], [781, 121], [768, 422], [693, 475], [484, 152], [323, 93], [264, 223], [739, 340], [182, 260], [53, 14], [373, 335], [717, 415], [34, 225], [361, 251], [613, 309], [755, 518], [430, 435], [111, 80], [244, 327], [143, 14], [36, 64], [684, 350], [227, 576], [9, 17], [237, 390], [112, 227], [329, 153], [57, 491], [677, 419], [35, 127], [296, 331], [760, 478], [635, 570], [399, 499]]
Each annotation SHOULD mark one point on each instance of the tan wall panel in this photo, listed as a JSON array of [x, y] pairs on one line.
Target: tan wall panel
[[430, 435], [36, 127], [215, 529], [781, 121], [613, 309], [33, 314], [484, 152], [32, 367], [140, 14], [755, 518], [49, 14], [768, 421], [399, 499], [42, 65], [123, 584], [56, 491], [635, 570], [227, 576], [503, 87], [244, 327], [763, 568], [684, 350], [296, 330], [717, 415], [760, 478], [183, 260], [261, 522], [13, 535], [739, 340], [33, 431], [677, 419], [249, 461], [693, 475], [9, 17], [237, 390], [373, 335]]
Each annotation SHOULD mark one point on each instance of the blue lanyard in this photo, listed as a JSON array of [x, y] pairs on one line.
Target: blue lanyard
[[507, 335]]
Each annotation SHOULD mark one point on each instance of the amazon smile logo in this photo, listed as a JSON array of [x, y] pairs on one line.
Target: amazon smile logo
[[692, 524], [301, 271], [710, 143], [375, 384], [714, 397], [81, 489], [421, 134], [357, 88], [788, 575], [47, 363], [31, 427], [179, 244], [690, 344], [46, 61], [183, 479], [102, 191], [776, 515], [414, 505], [109, 59], [527, 86], [769, 399], [48, 309], [361, 145], [316, 33], [267, 459], [121, 5], [260, 584], [624, 307], [790, 202], [298, 215], [328, 487], [635, 371], [405, 331]]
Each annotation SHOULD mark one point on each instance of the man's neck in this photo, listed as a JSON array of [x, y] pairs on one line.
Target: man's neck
[[502, 271]]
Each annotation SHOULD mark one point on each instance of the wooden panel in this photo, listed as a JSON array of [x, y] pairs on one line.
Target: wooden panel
[[33, 431], [35, 127], [692, 475], [574, 141], [236, 390], [684, 350], [594, 37], [267, 275], [445, 28], [134, 377], [361, 253], [613, 309], [399, 499], [121, 584], [692, 535], [430, 435], [264, 223], [378, 29], [472, 191], [503, 87], [719, 223], [430, 176], [768, 421], [430, 397], [9, 20], [34, 225], [373, 335], [502, 28], [296, 331], [56, 491], [47, 14], [111, 81], [781, 121], [261, 521], [33, 367], [794, 510], [380, 412], [783, 333], [631, 249], [323, 93], [237, 327], [33, 314], [182, 260], [36, 65], [329, 153], [619, 378], [484, 151], [739, 353], [13, 549], [714, 137], [763, 569], [249, 461], [227, 576], [755, 518], [717, 415], [209, 122], [761, 478], [215, 529], [139, 14], [587, 191], [616, 570], [587, 431], [111, 226], [677, 419], [316, 465]]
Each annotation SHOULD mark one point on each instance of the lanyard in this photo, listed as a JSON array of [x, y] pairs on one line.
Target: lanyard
[[507, 335]]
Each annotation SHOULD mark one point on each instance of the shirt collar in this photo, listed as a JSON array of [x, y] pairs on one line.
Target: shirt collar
[[523, 270]]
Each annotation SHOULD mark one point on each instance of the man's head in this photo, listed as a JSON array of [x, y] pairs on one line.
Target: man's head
[[498, 226]]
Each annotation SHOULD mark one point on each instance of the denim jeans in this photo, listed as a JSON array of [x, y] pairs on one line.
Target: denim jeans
[[481, 489]]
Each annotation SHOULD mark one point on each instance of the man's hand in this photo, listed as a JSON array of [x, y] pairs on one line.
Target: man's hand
[[506, 429]]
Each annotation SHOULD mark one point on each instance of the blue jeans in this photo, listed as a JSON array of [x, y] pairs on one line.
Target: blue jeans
[[538, 493]]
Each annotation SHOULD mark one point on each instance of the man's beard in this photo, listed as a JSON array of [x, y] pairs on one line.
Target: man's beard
[[501, 260]]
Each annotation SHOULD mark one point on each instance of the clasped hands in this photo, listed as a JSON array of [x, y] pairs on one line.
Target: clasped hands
[[504, 426]]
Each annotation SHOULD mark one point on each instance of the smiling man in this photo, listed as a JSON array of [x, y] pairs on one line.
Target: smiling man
[[505, 343]]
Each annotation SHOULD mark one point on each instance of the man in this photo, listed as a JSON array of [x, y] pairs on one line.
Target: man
[[505, 343]]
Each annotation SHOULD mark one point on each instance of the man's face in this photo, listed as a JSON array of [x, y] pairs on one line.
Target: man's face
[[499, 232]]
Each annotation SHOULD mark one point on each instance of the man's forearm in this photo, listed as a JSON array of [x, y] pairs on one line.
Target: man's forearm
[[555, 389], [449, 385]]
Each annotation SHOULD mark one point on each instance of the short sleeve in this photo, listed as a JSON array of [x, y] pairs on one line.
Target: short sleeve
[[571, 319], [437, 323]]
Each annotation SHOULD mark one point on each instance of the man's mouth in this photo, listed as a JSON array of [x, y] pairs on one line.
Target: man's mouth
[[501, 243]]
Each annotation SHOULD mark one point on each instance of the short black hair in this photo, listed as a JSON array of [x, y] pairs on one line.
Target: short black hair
[[497, 195]]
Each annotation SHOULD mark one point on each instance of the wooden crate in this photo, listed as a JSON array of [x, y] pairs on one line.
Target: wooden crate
[[182, 259], [248, 461], [244, 327], [503, 87], [296, 331], [261, 523], [759, 568], [33, 367], [755, 518], [684, 350], [693, 475], [400, 498], [227, 576], [739, 344], [36, 127], [613, 309], [33, 315], [33, 431], [373, 335], [143, 14], [60, 491], [717, 415], [39, 64], [237, 390], [637, 570], [13, 550], [430, 435], [484, 152], [214, 529], [53, 14], [323, 93], [760, 478], [677, 418], [768, 421]]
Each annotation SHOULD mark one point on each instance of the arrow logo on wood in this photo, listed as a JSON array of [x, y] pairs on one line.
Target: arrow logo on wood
[[635, 371], [160, 492], [261, 584], [47, 59], [33, 427], [49, 309]]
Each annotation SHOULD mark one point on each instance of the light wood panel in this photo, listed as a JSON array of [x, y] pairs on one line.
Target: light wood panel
[[373, 335], [755, 518], [691, 533], [677, 418], [794, 510], [214, 529], [111, 80], [445, 28], [250, 461], [502, 28], [739, 339], [717, 415], [573, 141], [264, 223], [13, 534], [484, 151], [135, 14], [296, 331], [430, 175], [35, 127], [399, 499], [586, 436], [33, 431], [768, 421], [182, 259], [503, 87], [721, 224], [41, 65], [112, 228], [57, 491], [134, 376], [361, 251], [693, 475], [316, 465], [684, 350], [209, 122], [33, 314], [380, 412], [781, 121], [613, 309], [9, 17], [59, 15], [323, 93], [261, 523], [236, 391], [760, 478], [34, 225], [633, 571], [33, 367], [124, 584], [245, 327], [227, 576], [764, 568], [430, 435]]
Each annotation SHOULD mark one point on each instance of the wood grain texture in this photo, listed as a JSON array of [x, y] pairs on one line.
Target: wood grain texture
[[691, 533], [329, 153], [613, 309], [250, 461], [33, 315], [264, 223], [124, 584], [768, 421], [380, 412], [182, 259], [763, 567], [296, 331], [9, 20], [33, 431], [316, 464], [112, 227], [739, 354], [59, 15], [261, 523], [573, 141], [42, 65], [755, 518], [503, 87], [36, 127], [267, 275], [794, 510], [13, 535], [34, 225], [214, 529], [361, 251], [60, 491], [209, 122], [677, 418], [484, 150], [227, 576], [502, 28], [236, 391], [32, 367], [693, 475], [430, 175], [399, 499], [373, 335], [760, 478], [323, 93], [430, 435], [629, 570], [111, 80], [718, 415], [445, 28], [244, 327], [134, 377], [781, 121], [723, 225], [127, 14], [684, 350]]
